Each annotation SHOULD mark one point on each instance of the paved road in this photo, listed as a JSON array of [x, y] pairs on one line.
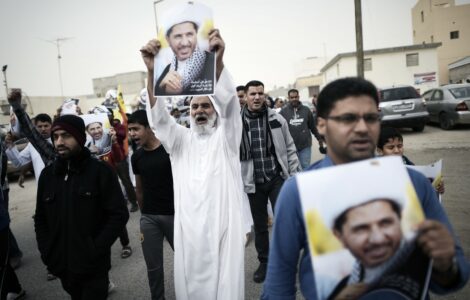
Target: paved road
[[130, 274]]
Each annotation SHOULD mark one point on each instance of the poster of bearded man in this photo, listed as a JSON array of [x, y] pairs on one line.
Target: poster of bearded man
[[184, 66], [98, 138]]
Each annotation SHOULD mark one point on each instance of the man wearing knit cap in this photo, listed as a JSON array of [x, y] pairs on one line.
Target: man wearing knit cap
[[80, 212]]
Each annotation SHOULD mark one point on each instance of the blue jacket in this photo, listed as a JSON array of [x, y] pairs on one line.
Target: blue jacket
[[289, 240]]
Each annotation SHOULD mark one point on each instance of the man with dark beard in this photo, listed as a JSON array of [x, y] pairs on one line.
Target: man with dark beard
[[80, 211]]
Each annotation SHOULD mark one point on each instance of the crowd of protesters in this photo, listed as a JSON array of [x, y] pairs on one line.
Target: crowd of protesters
[[201, 184]]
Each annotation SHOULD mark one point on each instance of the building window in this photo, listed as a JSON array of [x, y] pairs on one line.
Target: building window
[[422, 16], [454, 35], [367, 64], [412, 59]]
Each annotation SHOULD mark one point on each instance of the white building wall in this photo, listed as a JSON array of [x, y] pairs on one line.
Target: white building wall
[[389, 69]]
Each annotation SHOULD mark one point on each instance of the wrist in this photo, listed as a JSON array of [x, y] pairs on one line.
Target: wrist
[[452, 269]]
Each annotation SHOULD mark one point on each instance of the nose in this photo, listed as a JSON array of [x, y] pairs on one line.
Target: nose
[[59, 141], [185, 41], [396, 150], [376, 236], [361, 126]]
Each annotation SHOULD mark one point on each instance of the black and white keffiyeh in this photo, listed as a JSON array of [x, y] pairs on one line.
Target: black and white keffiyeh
[[194, 66]]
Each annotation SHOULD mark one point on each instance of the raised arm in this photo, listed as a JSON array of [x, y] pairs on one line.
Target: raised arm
[[44, 148], [166, 128], [225, 97]]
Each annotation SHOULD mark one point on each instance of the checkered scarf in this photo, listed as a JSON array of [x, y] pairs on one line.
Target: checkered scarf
[[194, 66]]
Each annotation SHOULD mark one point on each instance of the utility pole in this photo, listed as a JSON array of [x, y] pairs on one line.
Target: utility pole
[[58, 42], [4, 70], [359, 44]]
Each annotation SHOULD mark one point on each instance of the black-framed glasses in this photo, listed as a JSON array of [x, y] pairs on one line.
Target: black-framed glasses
[[351, 119]]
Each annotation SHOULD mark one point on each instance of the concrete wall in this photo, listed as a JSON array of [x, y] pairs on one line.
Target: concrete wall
[[389, 69], [131, 82], [440, 18], [460, 74]]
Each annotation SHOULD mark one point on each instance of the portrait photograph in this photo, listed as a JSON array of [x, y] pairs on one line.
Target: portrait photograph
[[97, 130], [360, 220], [184, 66]]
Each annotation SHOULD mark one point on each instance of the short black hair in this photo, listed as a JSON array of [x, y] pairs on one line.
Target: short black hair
[[342, 88], [341, 219], [139, 117], [43, 118], [240, 88], [388, 133], [253, 83], [168, 32], [292, 91]]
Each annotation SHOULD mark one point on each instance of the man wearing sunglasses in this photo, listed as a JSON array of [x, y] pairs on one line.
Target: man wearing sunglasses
[[349, 120]]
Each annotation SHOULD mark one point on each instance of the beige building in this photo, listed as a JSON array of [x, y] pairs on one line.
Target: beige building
[[308, 86], [441, 21], [415, 65], [130, 82]]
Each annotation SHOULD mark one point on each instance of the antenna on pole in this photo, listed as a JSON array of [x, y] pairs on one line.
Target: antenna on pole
[[58, 42]]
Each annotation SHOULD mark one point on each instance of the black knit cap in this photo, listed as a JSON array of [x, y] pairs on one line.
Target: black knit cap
[[73, 125]]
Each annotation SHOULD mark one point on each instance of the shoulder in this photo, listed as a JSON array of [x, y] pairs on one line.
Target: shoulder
[[94, 164], [137, 155], [274, 116]]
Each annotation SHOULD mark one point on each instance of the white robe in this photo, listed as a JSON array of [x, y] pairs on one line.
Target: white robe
[[208, 232]]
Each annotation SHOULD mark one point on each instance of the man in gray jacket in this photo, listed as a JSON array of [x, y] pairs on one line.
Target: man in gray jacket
[[268, 156], [301, 126]]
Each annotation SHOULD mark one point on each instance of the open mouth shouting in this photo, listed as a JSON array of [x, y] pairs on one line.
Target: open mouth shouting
[[201, 119]]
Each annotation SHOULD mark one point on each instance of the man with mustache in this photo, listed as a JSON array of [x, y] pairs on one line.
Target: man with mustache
[[349, 119], [208, 228], [268, 157], [372, 232], [190, 65], [80, 211]]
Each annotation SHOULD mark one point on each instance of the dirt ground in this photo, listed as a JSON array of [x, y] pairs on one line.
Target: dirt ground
[[130, 274]]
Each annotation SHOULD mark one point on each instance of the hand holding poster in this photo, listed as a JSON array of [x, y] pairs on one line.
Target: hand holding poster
[[362, 238], [184, 66], [433, 172]]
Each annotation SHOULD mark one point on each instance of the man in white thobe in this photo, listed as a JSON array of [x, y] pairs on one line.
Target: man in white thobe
[[208, 231]]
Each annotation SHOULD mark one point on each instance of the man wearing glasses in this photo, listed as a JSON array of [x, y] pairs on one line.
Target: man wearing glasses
[[349, 120]]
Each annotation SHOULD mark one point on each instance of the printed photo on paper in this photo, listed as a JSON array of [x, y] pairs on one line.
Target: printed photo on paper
[[360, 220], [184, 66]]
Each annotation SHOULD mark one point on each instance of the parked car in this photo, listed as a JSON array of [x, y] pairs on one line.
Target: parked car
[[448, 105], [402, 106]]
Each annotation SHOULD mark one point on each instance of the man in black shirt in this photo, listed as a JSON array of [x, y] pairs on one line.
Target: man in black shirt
[[154, 189]]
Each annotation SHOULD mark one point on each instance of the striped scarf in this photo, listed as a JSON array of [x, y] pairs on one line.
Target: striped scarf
[[245, 146]]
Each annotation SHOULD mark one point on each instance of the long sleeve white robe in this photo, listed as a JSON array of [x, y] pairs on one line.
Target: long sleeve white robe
[[208, 232]]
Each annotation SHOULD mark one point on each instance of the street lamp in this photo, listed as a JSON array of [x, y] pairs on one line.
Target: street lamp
[[57, 42], [4, 70]]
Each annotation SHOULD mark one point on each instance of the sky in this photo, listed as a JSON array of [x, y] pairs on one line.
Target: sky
[[265, 39]]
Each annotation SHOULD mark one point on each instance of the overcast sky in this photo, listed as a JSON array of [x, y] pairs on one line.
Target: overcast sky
[[265, 39]]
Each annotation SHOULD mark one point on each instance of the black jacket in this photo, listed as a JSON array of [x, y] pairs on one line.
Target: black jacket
[[80, 211]]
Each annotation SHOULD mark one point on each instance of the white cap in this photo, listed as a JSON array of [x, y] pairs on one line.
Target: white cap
[[111, 94], [184, 12], [337, 189]]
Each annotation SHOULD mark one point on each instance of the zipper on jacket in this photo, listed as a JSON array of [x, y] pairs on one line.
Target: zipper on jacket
[[68, 170]]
